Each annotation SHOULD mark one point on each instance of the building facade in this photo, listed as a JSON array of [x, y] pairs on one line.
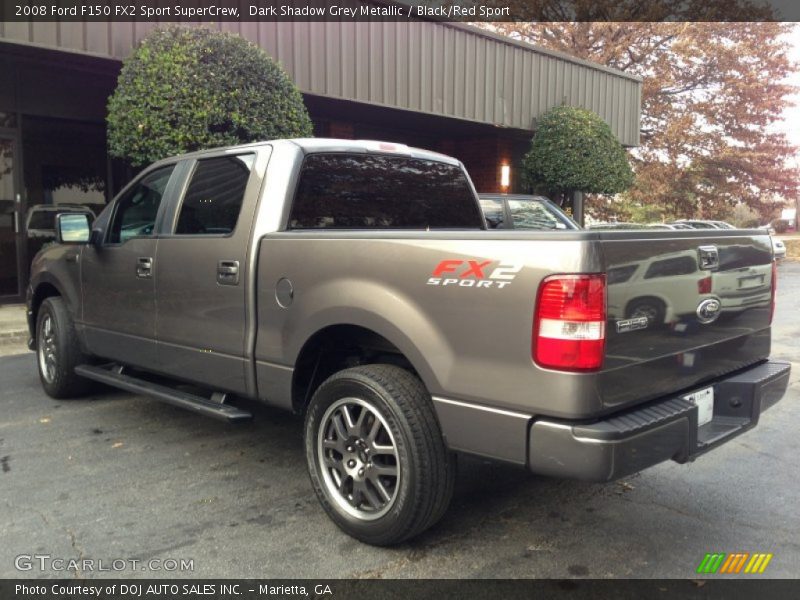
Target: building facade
[[441, 86]]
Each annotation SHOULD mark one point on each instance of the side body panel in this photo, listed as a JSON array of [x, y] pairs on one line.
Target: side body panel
[[440, 299], [468, 336], [119, 308]]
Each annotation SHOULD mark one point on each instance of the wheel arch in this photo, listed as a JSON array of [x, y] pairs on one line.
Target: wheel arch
[[343, 345], [647, 297], [44, 288]]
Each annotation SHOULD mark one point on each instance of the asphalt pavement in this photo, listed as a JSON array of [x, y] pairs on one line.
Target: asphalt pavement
[[123, 478]]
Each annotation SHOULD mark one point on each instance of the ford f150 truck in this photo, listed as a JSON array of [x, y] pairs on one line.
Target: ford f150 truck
[[357, 284]]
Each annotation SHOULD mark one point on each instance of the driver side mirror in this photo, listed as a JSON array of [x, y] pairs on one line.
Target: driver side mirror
[[72, 228]]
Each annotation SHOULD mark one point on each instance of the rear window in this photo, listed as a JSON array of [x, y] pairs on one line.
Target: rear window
[[43, 219], [347, 191], [534, 214]]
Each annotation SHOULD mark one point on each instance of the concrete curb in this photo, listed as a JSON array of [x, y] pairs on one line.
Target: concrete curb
[[13, 337]]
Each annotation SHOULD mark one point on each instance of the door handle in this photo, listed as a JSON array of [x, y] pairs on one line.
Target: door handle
[[228, 272], [144, 267]]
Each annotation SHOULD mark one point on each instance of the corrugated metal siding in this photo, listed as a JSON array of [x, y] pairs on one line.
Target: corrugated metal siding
[[437, 68]]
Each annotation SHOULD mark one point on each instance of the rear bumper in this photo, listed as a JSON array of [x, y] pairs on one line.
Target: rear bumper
[[666, 429]]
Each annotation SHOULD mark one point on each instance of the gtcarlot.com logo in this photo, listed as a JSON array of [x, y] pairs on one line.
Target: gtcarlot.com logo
[[48, 562], [720, 563]]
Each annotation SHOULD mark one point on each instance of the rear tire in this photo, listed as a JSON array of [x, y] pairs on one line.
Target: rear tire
[[58, 352], [651, 308], [376, 455]]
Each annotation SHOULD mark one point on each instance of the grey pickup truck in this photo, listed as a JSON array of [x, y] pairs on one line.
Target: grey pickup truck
[[356, 283]]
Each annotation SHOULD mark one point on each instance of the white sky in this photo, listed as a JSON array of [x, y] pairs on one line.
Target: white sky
[[791, 116]]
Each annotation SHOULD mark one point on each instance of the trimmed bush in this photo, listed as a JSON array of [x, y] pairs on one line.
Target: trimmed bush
[[185, 89], [575, 150]]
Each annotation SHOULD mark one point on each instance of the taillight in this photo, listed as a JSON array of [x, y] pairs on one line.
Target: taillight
[[569, 325], [704, 285], [774, 288]]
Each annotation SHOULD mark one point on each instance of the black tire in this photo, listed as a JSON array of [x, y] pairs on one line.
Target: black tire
[[652, 308], [396, 403], [58, 352]]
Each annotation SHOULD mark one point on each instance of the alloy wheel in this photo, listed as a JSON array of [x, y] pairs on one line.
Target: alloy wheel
[[359, 459], [47, 349]]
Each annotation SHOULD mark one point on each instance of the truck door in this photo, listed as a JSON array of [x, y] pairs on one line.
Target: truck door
[[202, 272], [118, 275]]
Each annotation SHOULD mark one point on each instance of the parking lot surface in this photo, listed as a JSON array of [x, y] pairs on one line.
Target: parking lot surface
[[120, 477]]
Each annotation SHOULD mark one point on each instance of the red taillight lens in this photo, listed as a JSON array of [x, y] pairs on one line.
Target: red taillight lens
[[773, 290], [569, 326], [704, 285]]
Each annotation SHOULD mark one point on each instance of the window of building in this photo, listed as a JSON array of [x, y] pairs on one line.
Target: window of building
[[214, 198], [359, 191], [135, 214]]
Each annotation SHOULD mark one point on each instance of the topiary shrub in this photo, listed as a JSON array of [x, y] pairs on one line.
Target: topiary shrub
[[184, 89], [575, 150]]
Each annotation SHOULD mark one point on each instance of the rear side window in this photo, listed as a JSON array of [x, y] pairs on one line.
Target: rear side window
[[671, 267], [214, 196], [346, 191], [620, 274], [493, 211]]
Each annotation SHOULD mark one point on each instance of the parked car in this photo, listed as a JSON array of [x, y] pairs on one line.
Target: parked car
[[673, 226], [617, 225], [704, 224], [778, 248], [517, 211], [40, 221], [362, 289], [768, 228], [663, 288]]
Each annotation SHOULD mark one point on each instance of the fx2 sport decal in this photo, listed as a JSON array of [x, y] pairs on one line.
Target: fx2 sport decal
[[474, 273]]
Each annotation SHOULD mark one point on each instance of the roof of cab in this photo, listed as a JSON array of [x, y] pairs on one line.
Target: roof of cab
[[328, 145]]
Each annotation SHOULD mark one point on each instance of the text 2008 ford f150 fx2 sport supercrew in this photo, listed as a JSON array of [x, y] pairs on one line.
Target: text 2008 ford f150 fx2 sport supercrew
[[356, 283]]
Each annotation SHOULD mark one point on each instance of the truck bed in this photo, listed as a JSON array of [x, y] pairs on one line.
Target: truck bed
[[469, 335]]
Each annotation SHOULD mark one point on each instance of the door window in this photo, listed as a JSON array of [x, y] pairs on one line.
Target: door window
[[214, 196], [136, 211]]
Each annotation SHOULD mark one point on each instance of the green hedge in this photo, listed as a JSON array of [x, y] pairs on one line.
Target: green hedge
[[575, 150], [184, 89]]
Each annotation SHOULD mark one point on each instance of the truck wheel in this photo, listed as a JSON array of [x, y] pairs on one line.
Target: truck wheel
[[376, 454], [57, 351], [651, 308]]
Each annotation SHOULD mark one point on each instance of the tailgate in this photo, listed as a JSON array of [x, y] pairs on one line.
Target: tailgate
[[682, 311]]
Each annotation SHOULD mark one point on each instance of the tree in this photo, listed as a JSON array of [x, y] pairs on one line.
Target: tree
[[744, 216], [573, 149], [710, 92], [184, 89]]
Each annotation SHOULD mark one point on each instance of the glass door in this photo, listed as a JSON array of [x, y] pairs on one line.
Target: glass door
[[10, 220]]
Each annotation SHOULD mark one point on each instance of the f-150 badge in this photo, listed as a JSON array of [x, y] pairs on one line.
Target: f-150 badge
[[626, 325], [474, 273]]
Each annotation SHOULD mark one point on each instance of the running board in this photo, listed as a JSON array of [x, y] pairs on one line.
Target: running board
[[114, 376]]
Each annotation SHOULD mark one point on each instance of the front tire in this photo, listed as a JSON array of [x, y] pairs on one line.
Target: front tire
[[376, 454], [58, 352]]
